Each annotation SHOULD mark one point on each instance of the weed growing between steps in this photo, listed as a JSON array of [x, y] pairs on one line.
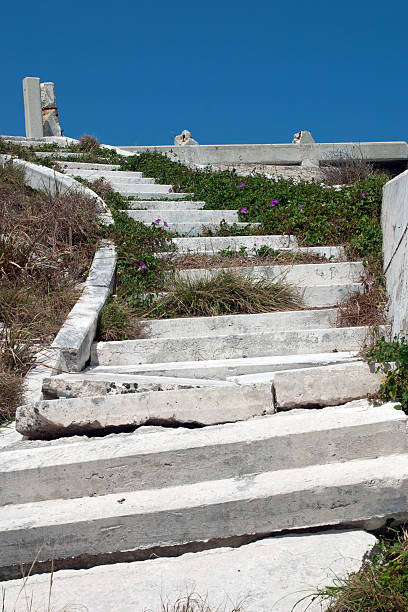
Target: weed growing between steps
[[314, 213], [46, 246], [223, 294], [380, 586], [228, 258], [366, 308], [392, 359]]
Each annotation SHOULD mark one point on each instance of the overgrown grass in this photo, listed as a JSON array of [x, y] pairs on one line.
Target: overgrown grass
[[225, 293], [391, 358], [380, 586], [315, 214], [46, 246]]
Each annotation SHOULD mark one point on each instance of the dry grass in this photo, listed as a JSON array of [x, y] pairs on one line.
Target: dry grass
[[367, 308], [236, 260], [46, 244], [225, 293], [118, 321], [342, 168]]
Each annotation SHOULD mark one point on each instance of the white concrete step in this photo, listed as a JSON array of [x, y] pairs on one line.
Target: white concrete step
[[117, 184], [137, 189], [95, 166], [190, 407], [95, 171], [230, 346], [222, 368], [163, 206], [218, 243], [257, 577], [184, 216], [155, 195], [140, 461], [239, 324], [297, 274], [331, 253], [195, 228], [364, 492]]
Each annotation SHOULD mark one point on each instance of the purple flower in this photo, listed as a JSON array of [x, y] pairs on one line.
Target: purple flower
[[241, 185], [157, 221], [161, 230], [142, 265], [165, 224], [363, 195], [170, 190], [301, 207], [274, 203], [243, 211], [65, 165], [181, 190], [178, 185]]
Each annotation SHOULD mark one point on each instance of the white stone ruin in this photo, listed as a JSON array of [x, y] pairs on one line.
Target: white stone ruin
[[40, 109], [185, 138]]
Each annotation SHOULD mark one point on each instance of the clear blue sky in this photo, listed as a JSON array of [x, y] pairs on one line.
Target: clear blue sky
[[137, 72]]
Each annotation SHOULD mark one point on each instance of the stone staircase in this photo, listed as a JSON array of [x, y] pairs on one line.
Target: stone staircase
[[242, 444]]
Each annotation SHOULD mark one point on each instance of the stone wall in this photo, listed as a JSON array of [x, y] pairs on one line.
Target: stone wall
[[395, 248]]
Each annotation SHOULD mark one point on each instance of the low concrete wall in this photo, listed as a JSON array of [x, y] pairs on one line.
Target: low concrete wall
[[394, 220], [279, 154]]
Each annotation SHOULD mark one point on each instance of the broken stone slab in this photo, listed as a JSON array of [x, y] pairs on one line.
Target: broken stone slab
[[202, 406], [323, 386], [136, 461], [268, 575], [48, 362], [185, 138], [50, 119], [67, 386], [303, 137], [363, 493]]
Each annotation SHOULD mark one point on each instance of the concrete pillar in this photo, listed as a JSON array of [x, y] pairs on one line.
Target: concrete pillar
[[50, 119], [32, 107]]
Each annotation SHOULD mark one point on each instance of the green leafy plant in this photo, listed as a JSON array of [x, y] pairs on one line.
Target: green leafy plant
[[392, 359]]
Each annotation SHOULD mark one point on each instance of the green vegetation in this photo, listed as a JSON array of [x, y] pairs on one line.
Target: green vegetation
[[225, 293], [317, 215], [380, 586], [392, 359]]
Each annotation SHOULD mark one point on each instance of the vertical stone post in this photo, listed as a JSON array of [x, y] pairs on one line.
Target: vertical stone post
[[50, 119], [32, 107]]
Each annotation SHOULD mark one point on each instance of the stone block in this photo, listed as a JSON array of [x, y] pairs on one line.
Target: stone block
[[32, 107]]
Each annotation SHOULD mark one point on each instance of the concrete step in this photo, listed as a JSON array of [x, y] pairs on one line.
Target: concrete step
[[184, 216], [190, 229], [94, 166], [230, 346], [330, 253], [248, 578], [218, 243], [297, 274], [190, 407], [160, 205], [117, 184], [95, 171], [365, 492], [138, 461], [154, 196], [137, 189], [239, 324], [89, 384], [223, 368], [315, 387]]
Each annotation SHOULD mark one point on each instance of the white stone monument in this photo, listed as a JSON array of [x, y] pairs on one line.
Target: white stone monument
[[50, 119], [32, 107]]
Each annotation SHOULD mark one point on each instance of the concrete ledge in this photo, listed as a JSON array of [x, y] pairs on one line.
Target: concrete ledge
[[139, 461], [214, 244], [366, 493], [202, 406]]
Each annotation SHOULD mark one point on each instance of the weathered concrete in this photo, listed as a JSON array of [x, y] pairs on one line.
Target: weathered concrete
[[251, 575], [92, 172], [50, 119], [130, 462], [226, 346], [223, 368], [331, 253], [364, 492], [195, 228], [394, 221], [183, 216], [155, 195], [94, 166], [159, 205], [32, 107], [319, 386], [203, 406], [297, 274], [239, 324], [90, 384], [218, 243]]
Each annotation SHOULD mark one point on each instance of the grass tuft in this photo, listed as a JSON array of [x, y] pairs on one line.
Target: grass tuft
[[223, 294]]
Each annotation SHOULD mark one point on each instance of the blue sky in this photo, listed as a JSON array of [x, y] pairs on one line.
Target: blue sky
[[137, 72]]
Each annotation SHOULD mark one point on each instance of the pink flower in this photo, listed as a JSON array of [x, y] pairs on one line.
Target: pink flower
[[157, 221], [181, 190], [165, 224], [241, 185], [170, 190], [274, 203], [142, 265], [243, 211], [363, 195]]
